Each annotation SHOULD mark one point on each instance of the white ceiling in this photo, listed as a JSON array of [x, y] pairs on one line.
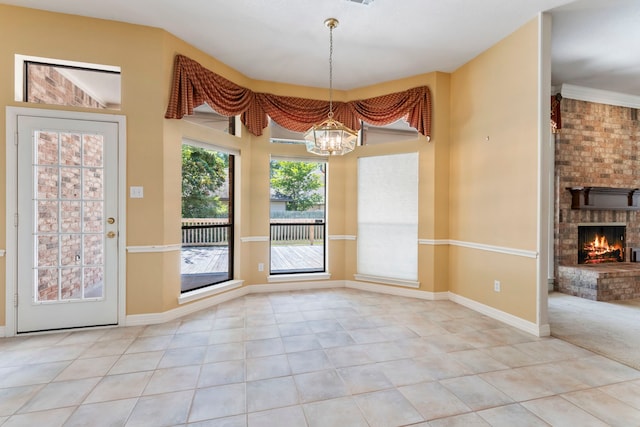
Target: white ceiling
[[595, 42]]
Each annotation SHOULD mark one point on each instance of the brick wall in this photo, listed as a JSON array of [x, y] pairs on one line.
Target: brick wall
[[47, 86], [597, 146]]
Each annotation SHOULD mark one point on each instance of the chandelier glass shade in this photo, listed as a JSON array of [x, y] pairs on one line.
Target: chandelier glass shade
[[330, 138]]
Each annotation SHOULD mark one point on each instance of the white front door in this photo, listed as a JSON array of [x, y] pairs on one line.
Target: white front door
[[67, 235]]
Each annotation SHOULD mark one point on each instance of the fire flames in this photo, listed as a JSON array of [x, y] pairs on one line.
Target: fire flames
[[599, 250]]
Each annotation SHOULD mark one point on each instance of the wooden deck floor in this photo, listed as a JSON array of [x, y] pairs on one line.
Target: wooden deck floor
[[213, 259]]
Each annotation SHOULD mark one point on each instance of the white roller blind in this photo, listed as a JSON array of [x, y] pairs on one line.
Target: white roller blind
[[388, 216]]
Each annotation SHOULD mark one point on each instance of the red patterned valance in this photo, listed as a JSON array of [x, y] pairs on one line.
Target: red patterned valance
[[193, 85]]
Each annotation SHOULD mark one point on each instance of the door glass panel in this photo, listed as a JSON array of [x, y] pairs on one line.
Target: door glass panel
[[92, 150], [93, 244], [93, 183], [70, 183], [48, 250], [70, 150], [93, 279], [70, 212], [70, 217], [47, 148], [47, 182], [71, 282], [70, 247], [47, 284], [47, 217], [93, 218]]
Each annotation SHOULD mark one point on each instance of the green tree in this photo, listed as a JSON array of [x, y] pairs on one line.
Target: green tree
[[298, 181], [203, 173]]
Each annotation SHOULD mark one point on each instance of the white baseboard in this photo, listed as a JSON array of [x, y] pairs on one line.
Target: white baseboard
[[509, 319], [295, 286], [183, 310], [394, 290]]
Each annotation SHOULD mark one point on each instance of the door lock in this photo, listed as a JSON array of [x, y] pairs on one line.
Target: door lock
[[111, 220], [111, 234]]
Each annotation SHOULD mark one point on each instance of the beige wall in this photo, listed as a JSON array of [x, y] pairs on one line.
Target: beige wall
[[464, 190], [494, 173]]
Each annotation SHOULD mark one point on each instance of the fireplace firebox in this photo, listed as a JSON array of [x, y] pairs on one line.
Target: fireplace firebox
[[601, 243]]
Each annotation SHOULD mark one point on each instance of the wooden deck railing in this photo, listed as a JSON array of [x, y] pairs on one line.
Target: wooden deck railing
[[205, 231], [215, 231], [288, 230]]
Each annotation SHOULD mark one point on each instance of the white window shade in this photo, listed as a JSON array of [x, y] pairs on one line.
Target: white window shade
[[388, 216]]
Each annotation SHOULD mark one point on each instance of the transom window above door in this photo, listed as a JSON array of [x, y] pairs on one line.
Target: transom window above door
[[70, 83]]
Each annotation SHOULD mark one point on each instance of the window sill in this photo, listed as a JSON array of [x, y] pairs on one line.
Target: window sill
[[387, 281], [208, 291], [298, 277]]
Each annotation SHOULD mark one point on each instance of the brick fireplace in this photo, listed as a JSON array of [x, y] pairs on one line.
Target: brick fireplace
[[597, 147]]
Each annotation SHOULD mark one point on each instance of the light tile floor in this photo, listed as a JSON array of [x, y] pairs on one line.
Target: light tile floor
[[336, 358]]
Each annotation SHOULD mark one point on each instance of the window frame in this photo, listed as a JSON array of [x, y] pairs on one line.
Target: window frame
[[231, 176], [296, 273]]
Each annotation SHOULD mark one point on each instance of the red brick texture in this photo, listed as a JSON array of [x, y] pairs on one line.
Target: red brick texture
[[48, 86]]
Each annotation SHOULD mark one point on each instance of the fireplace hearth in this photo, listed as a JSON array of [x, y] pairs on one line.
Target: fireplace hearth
[[599, 244]]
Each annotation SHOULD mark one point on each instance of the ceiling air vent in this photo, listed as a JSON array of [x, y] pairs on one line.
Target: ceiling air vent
[[365, 2]]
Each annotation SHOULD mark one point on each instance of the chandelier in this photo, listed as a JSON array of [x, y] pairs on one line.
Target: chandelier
[[330, 138]]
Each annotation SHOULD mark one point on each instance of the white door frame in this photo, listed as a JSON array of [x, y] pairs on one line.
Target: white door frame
[[11, 189]]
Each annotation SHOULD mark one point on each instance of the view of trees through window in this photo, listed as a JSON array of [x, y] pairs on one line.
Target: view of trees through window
[[204, 173], [297, 212], [207, 217]]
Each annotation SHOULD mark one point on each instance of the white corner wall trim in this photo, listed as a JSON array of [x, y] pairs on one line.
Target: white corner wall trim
[[387, 281], [2, 331], [254, 239], [600, 96], [342, 237], [433, 242], [499, 249], [509, 319], [2, 252], [153, 248]]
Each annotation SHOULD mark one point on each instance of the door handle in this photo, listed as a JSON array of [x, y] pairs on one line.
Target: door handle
[[111, 234]]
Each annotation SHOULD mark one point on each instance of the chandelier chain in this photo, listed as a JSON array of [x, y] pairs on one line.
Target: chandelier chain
[[331, 71]]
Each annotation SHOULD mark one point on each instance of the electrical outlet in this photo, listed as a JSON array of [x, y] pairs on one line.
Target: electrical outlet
[[496, 285], [260, 266]]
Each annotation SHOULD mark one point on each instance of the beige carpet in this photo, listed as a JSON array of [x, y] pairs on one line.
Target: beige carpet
[[611, 329]]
